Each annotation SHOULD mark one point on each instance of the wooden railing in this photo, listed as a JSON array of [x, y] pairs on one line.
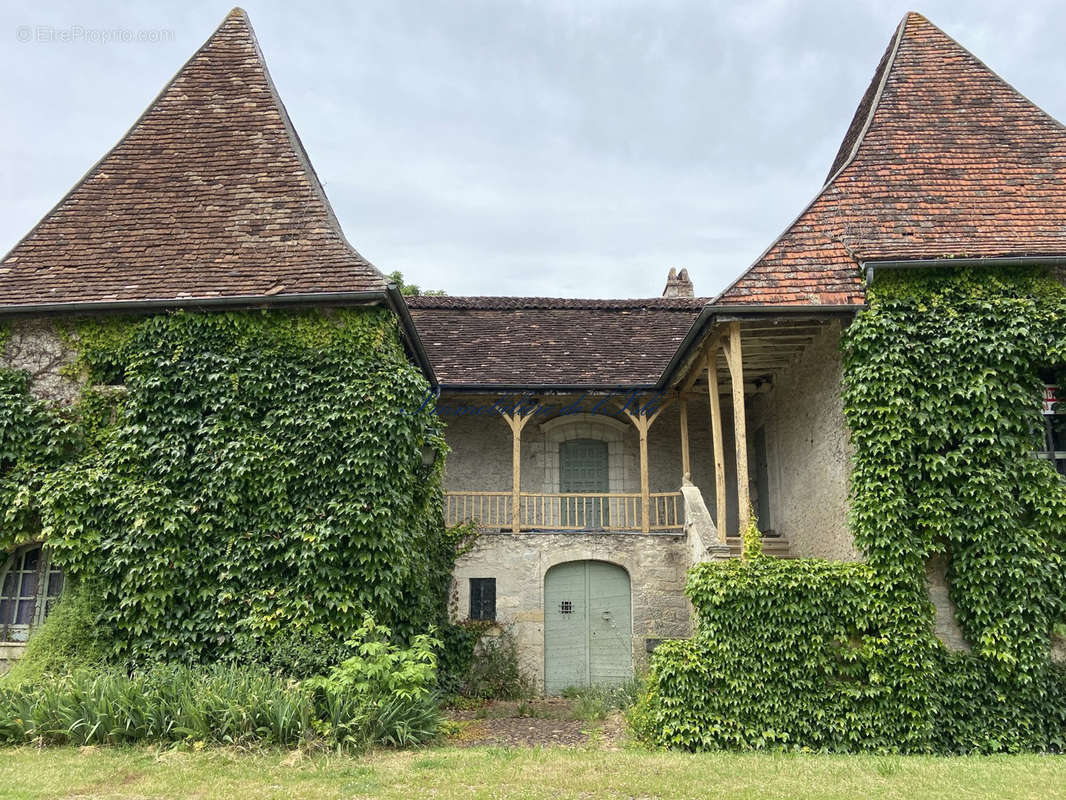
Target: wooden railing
[[565, 512]]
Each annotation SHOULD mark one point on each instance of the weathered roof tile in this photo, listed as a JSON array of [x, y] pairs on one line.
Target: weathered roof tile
[[210, 194], [942, 159]]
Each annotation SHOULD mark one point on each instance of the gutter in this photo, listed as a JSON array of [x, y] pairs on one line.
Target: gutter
[[934, 263], [389, 297], [398, 305], [496, 388]]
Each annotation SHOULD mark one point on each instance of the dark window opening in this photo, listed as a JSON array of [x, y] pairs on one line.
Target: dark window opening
[[29, 587], [483, 599], [1054, 449]]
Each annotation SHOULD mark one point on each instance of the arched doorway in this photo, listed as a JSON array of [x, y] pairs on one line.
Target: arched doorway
[[588, 625]]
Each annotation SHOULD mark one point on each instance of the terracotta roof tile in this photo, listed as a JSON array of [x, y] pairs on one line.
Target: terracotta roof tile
[[545, 341], [943, 159], [210, 194]]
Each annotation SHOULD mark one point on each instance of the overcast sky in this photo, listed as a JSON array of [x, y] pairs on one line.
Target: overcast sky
[[543, 148]]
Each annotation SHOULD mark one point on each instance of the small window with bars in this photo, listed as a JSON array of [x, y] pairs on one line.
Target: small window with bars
[[483, 599], [29, 587]]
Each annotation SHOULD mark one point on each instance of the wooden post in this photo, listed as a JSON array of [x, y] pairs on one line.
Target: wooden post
[[716, 436], [735, 360], [686, 467], [517, 423], [643, 424]]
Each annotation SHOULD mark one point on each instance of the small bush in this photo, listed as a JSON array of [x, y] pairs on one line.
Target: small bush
[[494, 673], [68, 639], [381, 695]]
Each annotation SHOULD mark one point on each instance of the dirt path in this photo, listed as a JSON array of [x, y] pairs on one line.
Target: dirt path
[[533, 723]]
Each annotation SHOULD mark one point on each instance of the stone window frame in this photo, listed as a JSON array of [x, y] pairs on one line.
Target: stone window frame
[[585, 426], [44, 598]]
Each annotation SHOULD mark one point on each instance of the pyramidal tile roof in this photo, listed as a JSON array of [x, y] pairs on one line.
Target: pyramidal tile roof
[[943, 159], [209, 195]]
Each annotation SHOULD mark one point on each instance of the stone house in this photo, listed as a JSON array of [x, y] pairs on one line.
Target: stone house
[[602, 447]]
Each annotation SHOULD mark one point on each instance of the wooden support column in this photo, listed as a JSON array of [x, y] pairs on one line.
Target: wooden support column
[[686, 465], [643, 424], [517, 422], [719, 446], [734, 358]]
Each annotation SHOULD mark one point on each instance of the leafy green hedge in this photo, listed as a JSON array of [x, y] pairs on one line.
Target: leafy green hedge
[[259, 481], [382, 695], [943, 380], [821, 655]]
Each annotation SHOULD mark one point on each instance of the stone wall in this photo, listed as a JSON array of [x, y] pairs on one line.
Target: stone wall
[[946, 626], [480, 458], [808, 452], [657, 565], [39, 347]]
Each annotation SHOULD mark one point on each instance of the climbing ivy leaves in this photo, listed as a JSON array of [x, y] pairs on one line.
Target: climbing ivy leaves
[[258, 479], [943, 393]]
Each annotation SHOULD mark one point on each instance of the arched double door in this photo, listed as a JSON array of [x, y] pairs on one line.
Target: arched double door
[[588, 625]]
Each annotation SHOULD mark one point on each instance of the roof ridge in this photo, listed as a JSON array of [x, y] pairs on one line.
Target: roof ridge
[[508, 302], [294, 137], [209, 192]]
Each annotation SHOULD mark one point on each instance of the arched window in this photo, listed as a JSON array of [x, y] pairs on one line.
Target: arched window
[[29, 587]]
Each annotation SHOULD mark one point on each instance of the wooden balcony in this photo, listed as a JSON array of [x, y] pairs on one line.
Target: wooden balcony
[[565, 512]]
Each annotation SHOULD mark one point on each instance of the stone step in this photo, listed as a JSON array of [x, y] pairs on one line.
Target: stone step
[[771, 545]]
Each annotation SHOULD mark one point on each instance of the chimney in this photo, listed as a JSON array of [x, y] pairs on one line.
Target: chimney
[[678, 284]]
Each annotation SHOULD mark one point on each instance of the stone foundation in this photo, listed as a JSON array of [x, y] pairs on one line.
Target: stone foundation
[[656, 563]]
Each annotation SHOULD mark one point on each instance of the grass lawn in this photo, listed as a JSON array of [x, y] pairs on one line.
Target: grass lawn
[[526, 773]]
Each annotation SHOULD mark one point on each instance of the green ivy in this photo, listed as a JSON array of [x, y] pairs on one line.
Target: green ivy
[[943, 395], [258, 479], [943, 385]]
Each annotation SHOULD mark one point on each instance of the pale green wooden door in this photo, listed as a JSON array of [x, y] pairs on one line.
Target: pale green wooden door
[[587, 625], [583, 469]]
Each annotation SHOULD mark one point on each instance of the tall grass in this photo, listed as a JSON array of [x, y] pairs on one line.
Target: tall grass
[[216, 705]]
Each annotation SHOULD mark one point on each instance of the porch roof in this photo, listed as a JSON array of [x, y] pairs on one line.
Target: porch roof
[[544, 342]]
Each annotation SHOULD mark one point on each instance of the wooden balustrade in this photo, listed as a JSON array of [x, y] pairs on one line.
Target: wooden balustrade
[[565, 512]]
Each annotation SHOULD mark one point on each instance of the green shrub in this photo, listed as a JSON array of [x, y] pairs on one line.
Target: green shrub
[[792, 653], [810, 654], [381, 696], [221, 704], [459, 642], [494, 672], [593, 703], [68, 639]]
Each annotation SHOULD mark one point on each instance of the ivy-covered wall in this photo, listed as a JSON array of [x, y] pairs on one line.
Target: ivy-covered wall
[[255, 485], [943, 387]]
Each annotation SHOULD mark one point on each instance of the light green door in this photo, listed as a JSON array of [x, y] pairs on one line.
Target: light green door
[[583, 470], [587, 625]]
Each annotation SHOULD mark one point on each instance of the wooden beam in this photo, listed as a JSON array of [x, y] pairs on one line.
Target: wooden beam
[[686, 467], [719, 447], [517, 422], [734, 356], [643, 424], [709, 345]]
